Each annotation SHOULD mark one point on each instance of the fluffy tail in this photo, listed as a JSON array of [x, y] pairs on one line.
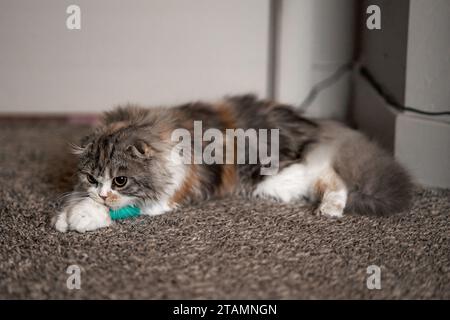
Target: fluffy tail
[[377, 184]]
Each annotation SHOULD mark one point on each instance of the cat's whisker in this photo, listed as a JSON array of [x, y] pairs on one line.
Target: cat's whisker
[[75, 149], [72, 197]]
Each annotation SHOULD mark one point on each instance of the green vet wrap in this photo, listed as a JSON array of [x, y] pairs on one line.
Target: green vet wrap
[[125, 212]]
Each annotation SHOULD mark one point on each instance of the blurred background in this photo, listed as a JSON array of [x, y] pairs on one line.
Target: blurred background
[[319, 55]]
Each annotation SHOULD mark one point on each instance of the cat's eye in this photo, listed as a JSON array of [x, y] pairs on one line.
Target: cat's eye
[[120, 181], [91, 179]]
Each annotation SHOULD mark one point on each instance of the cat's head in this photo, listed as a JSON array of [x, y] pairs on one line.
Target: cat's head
[[123, 163]]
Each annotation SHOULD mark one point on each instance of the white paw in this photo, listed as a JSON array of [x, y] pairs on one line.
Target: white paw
[[156, 209], [86, 215], [60, 221], [331, 210]]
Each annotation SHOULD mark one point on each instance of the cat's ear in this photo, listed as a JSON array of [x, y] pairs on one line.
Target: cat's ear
[[140, 149], [85, 145], [78, 150]]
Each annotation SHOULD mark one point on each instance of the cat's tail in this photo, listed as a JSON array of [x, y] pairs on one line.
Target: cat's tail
[[376, 183]]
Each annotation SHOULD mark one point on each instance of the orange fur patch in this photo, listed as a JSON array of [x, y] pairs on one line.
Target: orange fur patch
[[229, 179], [319, 188], [229, 176], [229, 172], [115, 126], [225, 113], [329, 182], [187, 188]]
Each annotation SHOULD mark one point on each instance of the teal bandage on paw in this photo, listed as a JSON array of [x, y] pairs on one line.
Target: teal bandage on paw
[[124, 213]]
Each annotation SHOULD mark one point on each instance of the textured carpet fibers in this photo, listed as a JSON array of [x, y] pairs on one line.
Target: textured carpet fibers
[[230, 248]]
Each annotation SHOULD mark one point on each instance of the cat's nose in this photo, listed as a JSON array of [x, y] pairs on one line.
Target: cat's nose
[[103, 197]]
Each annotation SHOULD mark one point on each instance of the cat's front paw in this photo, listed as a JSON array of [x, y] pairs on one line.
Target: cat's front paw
[[86, 215], [60, 221]]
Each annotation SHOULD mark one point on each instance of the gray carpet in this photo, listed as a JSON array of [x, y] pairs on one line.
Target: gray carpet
[[232, 248]]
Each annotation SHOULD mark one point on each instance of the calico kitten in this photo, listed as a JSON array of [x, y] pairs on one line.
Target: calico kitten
[[129, 159]]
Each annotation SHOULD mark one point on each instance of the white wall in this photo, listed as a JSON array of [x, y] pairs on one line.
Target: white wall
[[384, 51], [150, 52], [316, 38], [170, 51], [295, 33], [428, 63]]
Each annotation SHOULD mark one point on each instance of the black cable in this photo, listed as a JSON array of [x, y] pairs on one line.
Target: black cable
[[335, 76], [323, 85], [390, 100]]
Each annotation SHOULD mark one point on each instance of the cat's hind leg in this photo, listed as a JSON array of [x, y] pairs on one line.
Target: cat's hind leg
[[314, 183], [291, 183], [331, 192]]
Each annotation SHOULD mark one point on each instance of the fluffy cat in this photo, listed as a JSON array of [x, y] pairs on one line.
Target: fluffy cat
[[128, 160]]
